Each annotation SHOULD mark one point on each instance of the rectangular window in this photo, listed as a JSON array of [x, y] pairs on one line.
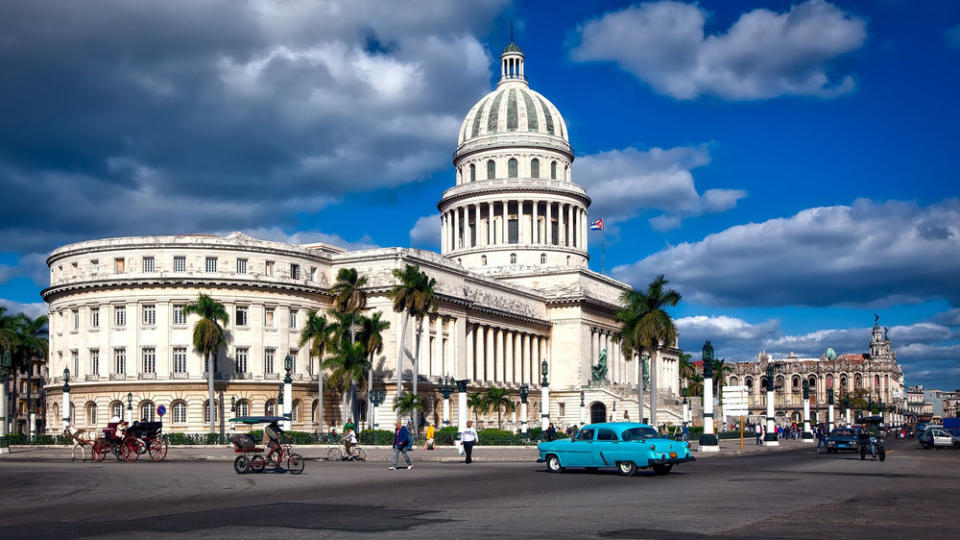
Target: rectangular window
[[513, 236], [268, 360], [118, 265], [76, 319], [268, 317], [563, 408], [94, 361], [211, 265], [120, 361], [294, 271], [268, 268], [148, 264], [180, 264], [313, 273], [293, 361], [149, 315], [94, 266], [293, 319], [179, 359], [241, 266], [241, 315], [179, 314], [75, 356], [241, 360], [149, 360], [120, 315]]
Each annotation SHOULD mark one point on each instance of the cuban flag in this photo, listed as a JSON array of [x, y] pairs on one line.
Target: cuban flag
[[597, 225]]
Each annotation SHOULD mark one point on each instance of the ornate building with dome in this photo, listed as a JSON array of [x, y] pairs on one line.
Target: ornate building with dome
[[516, 298]]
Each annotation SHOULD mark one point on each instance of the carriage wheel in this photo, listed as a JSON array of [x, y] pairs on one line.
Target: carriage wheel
[[78, 454], [361, 454], [257, 464], [117, 450], [130, 450], [295, 464], [158, 449], [97, 453], [335, 454], [241, 464]]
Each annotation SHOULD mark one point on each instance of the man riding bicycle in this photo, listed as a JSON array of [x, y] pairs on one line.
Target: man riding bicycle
[[271, 438], [349, 441]]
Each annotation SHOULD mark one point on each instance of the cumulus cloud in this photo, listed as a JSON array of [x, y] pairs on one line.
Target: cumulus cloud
[[865, 254], [952, 37], [625, 183], [32, 310], [181, 116], [762, 55], [950, 317], [426, 232], [32, 266], [309, 237]]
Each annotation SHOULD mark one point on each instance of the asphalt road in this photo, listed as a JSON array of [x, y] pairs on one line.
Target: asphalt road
[[789, 494]]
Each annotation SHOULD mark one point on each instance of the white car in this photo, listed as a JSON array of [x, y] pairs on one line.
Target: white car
[[935, 437]]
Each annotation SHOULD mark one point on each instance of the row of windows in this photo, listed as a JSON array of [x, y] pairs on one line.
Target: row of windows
[[149, 318], [211, 265], [513, 259], [148, 364], [178, 411], [513, 169]]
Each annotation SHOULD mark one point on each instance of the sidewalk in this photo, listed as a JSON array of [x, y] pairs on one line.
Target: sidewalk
[[443, 454]]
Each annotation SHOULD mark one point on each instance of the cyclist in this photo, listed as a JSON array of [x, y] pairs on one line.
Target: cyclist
[[349, 441], [271, 438]]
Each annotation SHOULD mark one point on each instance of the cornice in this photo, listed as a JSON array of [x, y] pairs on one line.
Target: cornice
[[52, 293]]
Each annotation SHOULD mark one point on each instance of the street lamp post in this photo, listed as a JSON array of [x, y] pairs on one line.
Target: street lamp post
[[807, 436], [685, 413], [462, 405], [544, 396], [66, 402], [376, 397], [829, 410], [708, 441], [233, 413], [446, 388], [524, 392], [583, 409], [129, 407], [5, 368], [770, 436], [288, 393]]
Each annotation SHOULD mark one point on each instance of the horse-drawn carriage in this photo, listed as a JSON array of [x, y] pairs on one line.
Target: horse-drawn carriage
[[129, 443], [250, 455]]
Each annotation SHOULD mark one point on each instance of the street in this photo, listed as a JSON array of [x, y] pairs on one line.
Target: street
[[790, 494]]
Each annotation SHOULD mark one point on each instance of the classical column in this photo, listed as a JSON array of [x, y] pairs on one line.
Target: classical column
[[490, 355], [471, 353], [436, 367], [522, 235], [548, 226], [456, 228], [509, 348], [480, 363], [571, 224], [475, 236], [491, 231], [499, 375], [561, 230], [535, 237]]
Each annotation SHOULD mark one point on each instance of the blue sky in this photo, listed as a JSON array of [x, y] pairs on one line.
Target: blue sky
[[790, 166]]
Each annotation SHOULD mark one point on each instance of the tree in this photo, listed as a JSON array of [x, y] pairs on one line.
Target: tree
[[695, 385], [478, 402], [414, 295], [408, 404], [319, 335], [499, 400], [208, 337], [371, 335], [348, 364], [686, 368], [349, 296], [647, 327], [30, 348], [720, 371]]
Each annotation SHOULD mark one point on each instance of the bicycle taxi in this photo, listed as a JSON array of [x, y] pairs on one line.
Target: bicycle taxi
[[250, 456]]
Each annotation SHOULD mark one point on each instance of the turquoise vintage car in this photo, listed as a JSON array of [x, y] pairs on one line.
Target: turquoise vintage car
[[627, 446]]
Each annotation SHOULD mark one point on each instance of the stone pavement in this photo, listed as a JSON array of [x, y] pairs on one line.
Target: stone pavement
[[384, 453]]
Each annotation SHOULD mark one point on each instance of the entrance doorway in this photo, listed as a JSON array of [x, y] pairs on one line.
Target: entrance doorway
[[598, 413]]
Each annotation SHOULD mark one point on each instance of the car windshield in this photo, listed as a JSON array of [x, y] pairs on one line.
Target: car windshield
[[843, 433], [637, 433]]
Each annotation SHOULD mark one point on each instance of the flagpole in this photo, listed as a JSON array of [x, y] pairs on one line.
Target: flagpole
[[603, 248]]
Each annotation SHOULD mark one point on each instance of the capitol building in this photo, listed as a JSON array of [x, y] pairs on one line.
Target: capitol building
[[512, 277]]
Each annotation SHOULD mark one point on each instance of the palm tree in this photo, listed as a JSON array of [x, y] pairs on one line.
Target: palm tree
[[499, 399], [685, 368], [408, 404], [647, 327], [319, 335], [478, 402], [348, 364], [695, 385], [208, 337], [349, 296], [30, 349], [371, 335], [414, 296], [720, 371]]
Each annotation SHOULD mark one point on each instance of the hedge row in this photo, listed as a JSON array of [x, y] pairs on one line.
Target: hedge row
[[18, 439]]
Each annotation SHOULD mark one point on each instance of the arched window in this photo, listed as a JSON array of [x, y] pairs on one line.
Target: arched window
[[829, 381], [295, 411], [796, 383], [568, 260], [858, 382], [512, 168], [535, 168], [843, 383], [543, 258], [147, 412], [513, 258], [876, 381], [206, 411], [812, 381], [56, 411], [460, 261], [243, 407], [733, 381], [313, 411], [271, 408], [483, 260], [473, 172], [553, 170], [779, 383], [566, 173], [116, 411], [491, 170], [749, 382], [91, 413], [763, 384], [179, 412]]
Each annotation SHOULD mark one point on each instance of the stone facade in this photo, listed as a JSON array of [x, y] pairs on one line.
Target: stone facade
[[512, 277]]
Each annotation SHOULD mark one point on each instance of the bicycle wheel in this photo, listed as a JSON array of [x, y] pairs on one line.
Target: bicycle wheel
[[257, 463], [78, 454], [361, 454], [241, 464], [158, 449], [335, 454], [295, 464]]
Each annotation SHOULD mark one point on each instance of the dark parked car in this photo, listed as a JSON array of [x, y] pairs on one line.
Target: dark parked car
[[843, 440]]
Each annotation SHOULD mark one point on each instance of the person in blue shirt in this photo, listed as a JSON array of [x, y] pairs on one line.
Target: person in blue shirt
[[402, 441]]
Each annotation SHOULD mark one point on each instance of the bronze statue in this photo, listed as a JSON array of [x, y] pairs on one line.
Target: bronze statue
[[599, 371]]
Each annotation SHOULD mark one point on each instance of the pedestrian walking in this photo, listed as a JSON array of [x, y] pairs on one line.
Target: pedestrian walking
[[402, 441], [686, 432], [431, 431], [469, 437], [551, 431], [758, 429]]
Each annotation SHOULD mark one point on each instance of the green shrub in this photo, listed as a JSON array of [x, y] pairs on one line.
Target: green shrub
[[178, 438], [16, 438], [43, 439], [496, 437], [376, 437], [446, 436], [64, 440]]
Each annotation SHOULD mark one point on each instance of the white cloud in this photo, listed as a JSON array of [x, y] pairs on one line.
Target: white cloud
[[308, 237], [952, 37], [32, 266], [625, 183], [950, 317], [32, 310], [426, 232], [762, 55], [865, 254]]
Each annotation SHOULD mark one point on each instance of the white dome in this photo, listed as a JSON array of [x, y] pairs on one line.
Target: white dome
[[513, 108]]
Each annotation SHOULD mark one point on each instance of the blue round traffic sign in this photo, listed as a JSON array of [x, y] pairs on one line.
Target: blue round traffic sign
[[161, 410]]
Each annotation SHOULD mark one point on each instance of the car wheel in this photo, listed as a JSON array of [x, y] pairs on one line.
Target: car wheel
[[626, 468], [553, 464], [662, 469]]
